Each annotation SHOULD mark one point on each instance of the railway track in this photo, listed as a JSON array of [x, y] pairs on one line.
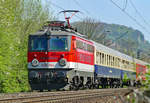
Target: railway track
[[62, 96]]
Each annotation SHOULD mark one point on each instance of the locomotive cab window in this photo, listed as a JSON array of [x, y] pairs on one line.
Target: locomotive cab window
[[59, 43], [37, 43]]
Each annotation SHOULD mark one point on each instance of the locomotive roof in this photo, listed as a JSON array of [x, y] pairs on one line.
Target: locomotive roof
[[52, 33], [62, 32]]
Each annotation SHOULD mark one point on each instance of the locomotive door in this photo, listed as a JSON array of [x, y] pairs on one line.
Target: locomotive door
[[76, 58], [76, 61]]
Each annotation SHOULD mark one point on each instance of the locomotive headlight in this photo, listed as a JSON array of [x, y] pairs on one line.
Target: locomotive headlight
[[35, 62], [62, 62]]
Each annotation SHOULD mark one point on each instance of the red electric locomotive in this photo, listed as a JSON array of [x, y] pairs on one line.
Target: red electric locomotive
[[59, 57]]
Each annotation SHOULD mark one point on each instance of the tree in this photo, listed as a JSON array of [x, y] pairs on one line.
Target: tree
[[18, 19], [87, 27]]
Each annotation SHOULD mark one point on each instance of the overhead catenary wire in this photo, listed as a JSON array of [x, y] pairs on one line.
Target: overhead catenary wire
[[132, 4], [125, 4], [131, 17], [77, 3]]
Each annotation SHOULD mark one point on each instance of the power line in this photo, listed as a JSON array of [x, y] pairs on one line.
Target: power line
[[116, 39], [64, 9], [132, 18], [57, 6], [139, 13], [125, 6], [77, 3]]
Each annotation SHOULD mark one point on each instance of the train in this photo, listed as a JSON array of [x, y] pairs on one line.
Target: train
[[61, 58]]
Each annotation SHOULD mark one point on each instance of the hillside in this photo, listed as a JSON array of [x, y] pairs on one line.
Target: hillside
[[122, 38]]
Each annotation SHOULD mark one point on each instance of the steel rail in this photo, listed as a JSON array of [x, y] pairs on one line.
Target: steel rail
[[65, 96]]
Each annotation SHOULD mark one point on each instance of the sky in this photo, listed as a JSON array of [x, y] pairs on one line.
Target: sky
[[106, 11]]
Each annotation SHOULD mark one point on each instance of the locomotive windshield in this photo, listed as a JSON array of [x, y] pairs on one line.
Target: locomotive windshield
[[58, 43], [38, 44], [52, 43]]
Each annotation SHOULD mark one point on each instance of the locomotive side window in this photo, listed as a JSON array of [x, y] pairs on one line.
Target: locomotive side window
[[38, 44], [90, 48], [84, 46], [79, 44]]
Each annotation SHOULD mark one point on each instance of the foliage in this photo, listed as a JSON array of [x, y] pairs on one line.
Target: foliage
[[87, 26], [125, 77], [18, 18]]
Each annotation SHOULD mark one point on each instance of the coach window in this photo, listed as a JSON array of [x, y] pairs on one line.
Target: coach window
[[123, 62], [110, 60], [97, 57], [128, 65], [107, 59], [113, 61], [102, 58], [99, 62], [125, 65], [117, 62]]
